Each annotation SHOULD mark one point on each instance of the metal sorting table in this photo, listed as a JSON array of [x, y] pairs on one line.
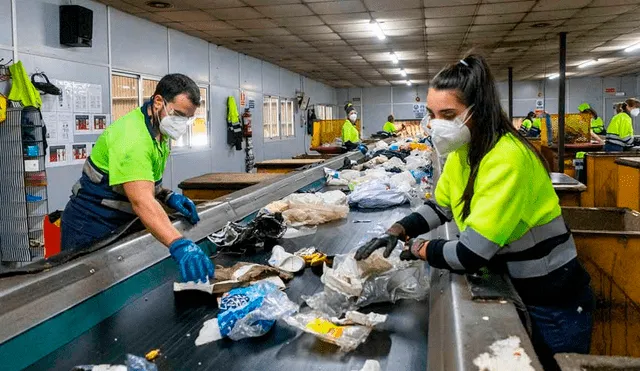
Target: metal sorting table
[[213, 185], [157, 320], [283, 166], [567, 188]]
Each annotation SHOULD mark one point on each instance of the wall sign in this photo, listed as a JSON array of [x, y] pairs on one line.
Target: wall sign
[[610, 90]]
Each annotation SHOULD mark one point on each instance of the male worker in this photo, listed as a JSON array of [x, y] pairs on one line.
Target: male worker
[[597, 125], [350, 135], [389, 127], [122, 178]]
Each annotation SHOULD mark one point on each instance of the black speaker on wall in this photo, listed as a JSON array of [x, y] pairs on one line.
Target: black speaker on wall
[[76, 25]]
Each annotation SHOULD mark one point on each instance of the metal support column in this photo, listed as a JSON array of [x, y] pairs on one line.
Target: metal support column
[[511, 94], [561, 99]]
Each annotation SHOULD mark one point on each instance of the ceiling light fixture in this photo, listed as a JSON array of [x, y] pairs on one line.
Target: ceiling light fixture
[[632, 48], [408, 82], [554, 76], [159, 4], [588, 63], [394, 58], [375, 27], [403, 72]]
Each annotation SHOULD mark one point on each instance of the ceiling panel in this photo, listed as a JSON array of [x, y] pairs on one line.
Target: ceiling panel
[[448, 22], [289, 10], [309, 30], [499, 19], [450, 11], [235, 13], [338, 7], [332, 41], [513, 7], [544, 5], [299, 21], [332, 19]]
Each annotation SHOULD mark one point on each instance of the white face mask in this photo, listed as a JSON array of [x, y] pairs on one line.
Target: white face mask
[[353, 117], [449, 135], [634, 112], [174, 126]]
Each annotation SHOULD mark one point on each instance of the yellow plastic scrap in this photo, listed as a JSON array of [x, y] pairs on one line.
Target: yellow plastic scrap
[[152, 355]]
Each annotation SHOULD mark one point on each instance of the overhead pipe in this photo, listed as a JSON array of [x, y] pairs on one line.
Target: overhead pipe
[[511, 94]]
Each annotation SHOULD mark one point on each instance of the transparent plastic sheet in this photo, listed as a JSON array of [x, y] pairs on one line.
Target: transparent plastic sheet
[[377, 194], [299, 232], [351, 285], [133, 363], [348, 337]]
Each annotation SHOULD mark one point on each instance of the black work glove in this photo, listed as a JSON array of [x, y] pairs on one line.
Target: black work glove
[[389, 241], [414, 248]]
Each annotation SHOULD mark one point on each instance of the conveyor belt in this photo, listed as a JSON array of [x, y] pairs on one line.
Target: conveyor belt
[[156, 320]]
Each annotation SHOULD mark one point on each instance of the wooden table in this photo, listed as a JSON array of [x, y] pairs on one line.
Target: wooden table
[[567, 189], [570, 150], [628, 182], [283, 166], [602, 178], [215, 185]]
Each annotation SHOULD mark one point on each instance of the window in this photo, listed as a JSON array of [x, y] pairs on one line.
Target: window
[[324, 112], [278, 116], [287, 117], [131, 91], [270, 117]]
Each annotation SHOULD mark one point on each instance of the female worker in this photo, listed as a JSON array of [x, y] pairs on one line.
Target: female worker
[[497, 188], [350, 135], [597, 125], [526, 123], [620, 130]]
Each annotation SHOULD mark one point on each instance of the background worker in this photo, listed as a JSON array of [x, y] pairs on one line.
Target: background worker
[[350, 134], [390, 126], [597, 125], [620, 130], [617, 107], [515, 228], [527, 123], [122, 178]]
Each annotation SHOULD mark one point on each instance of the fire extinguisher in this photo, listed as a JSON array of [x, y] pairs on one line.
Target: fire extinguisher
[[246, 124]]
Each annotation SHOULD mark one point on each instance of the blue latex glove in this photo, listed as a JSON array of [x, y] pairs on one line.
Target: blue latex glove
[[184, 206], [194, 264]]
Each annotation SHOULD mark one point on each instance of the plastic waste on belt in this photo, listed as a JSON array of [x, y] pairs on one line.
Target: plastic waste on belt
[[378, 194], [238, 237], [249, 312], [133, 363], [352, 284]]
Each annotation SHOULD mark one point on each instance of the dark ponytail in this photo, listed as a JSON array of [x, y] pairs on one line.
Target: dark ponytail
[[475, 85]]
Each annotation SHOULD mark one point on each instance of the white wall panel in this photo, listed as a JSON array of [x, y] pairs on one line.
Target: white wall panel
[[189, 55], [138, 45], [250, 73], [39, 30], [270, 79], [224, 67], [5, 23]]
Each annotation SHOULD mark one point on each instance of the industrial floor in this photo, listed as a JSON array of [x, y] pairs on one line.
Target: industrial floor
[[158, 319]]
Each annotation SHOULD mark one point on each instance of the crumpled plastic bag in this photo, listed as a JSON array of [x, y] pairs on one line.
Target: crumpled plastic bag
[[347, 337], [379, 280], [248, 312], [235, 236], [133, 363], [394, 162], [300, 209], [377, 194], [403, 181]]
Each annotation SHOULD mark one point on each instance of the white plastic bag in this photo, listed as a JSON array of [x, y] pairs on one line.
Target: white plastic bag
[[348, 337], [377, 195], [394, 162], [403, 181]]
